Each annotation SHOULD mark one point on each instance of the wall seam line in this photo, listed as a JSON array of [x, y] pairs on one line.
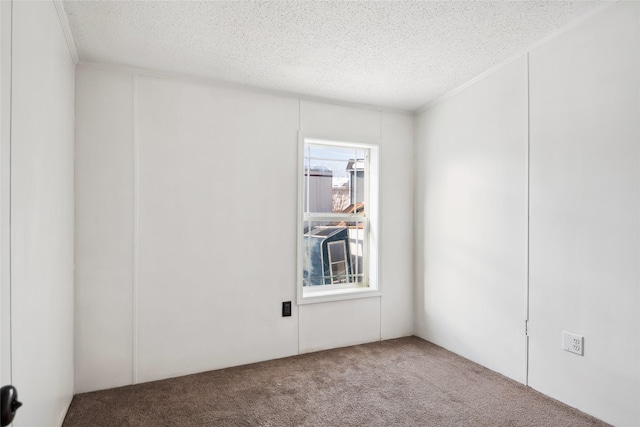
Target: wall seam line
[[298, 201], [379, 213], [136, 245], [10, 196], [526, 318]]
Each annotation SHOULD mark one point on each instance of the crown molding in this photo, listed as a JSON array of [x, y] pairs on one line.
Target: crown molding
[[66, 29]]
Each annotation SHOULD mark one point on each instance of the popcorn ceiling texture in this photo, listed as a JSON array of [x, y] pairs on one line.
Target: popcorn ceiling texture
[[387, 53]]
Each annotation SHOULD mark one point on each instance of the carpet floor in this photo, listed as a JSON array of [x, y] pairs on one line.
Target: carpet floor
[[402, 382]]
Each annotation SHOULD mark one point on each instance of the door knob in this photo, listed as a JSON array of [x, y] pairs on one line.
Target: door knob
[[9, 403]]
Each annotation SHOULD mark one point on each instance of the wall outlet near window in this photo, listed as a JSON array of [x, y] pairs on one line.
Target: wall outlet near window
[[573, 343], [286, 309]]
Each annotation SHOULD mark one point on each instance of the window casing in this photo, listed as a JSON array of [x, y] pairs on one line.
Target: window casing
[[338, 220]]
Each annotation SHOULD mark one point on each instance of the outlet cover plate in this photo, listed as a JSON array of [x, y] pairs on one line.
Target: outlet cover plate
[[286, 309], [573, 343]]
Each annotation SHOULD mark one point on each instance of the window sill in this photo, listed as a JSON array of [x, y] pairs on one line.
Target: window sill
[[313, 297]]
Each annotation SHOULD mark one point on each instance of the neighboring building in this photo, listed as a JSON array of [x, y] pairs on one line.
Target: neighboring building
[[320, 187], [356, 180]]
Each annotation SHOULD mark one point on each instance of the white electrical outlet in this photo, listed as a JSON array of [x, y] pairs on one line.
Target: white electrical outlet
[[572, 343]]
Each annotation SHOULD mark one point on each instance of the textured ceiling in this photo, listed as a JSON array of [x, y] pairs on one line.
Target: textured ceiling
[[386, 53]]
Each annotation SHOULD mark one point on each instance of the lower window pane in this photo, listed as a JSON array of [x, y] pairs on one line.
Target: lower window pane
[[333, 253]]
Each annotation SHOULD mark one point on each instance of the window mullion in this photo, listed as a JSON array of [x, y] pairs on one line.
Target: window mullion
[[308, 177]]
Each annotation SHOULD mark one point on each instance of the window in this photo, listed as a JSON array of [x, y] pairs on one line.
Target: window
[[337, 255]]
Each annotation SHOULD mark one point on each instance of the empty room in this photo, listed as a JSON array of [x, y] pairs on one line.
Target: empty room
[[320, 213]]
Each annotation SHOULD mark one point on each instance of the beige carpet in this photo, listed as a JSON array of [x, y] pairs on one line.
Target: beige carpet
[[403, 382]]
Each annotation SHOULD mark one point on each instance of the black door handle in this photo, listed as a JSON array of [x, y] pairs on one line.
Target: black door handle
[[9, 403]]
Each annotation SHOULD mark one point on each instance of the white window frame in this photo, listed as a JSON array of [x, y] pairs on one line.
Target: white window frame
[[371, 287]]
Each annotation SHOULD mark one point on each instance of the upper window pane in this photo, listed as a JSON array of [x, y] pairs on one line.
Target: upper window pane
[[334, 179]]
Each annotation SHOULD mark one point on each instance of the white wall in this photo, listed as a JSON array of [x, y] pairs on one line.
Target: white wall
[[585, 215], [396, 222], [369, 319], [186, 211], [215, 235], [42, 215], [471, 228], [104, 229], [584, 244]]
